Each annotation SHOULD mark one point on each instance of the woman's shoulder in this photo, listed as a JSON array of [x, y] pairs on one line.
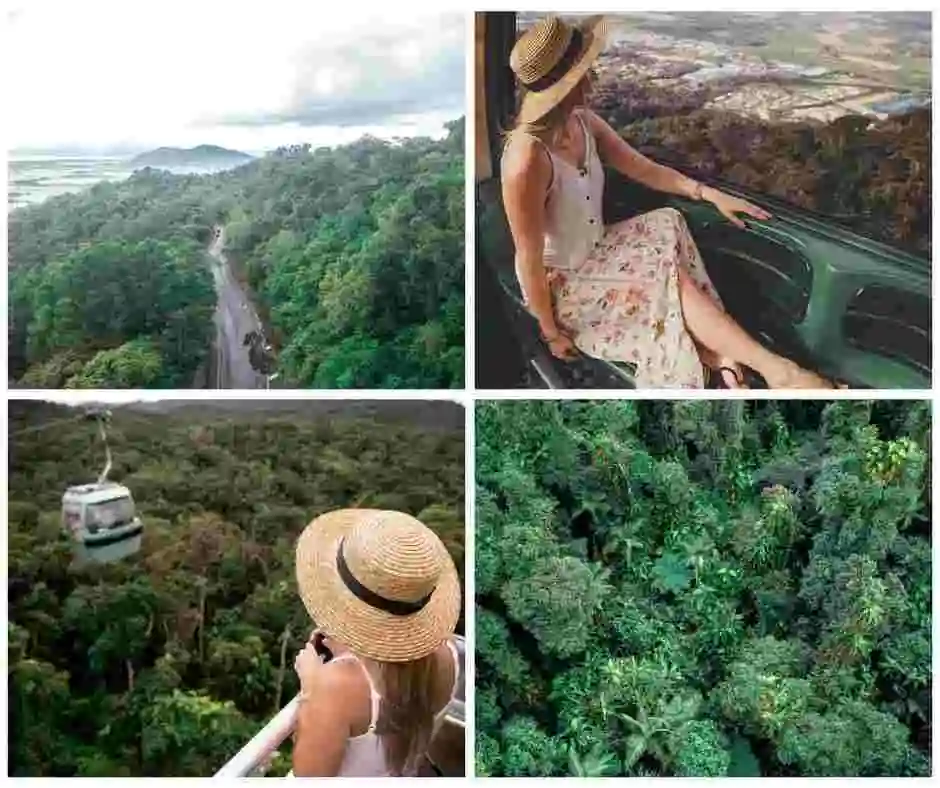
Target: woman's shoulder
[[341, 674], [524, 156], [594, 122]]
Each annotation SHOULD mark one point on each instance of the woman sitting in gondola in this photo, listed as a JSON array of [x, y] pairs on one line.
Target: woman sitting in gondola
[[635, 291]]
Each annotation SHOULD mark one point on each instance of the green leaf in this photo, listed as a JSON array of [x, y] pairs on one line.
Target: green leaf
[[630, 720], [575, 767], [671, 573], [681, 708], [597, 763], [636, 746]]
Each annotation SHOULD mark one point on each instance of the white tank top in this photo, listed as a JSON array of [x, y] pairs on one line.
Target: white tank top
[[364, 756], [574, 222]]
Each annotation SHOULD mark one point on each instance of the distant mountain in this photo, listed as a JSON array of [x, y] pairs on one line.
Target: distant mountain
[[427, 414], [201, 155]]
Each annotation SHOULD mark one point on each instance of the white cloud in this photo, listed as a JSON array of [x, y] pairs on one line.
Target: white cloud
[[98, 73]]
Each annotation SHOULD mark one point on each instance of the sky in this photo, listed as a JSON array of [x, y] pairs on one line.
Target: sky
[[100, 76]]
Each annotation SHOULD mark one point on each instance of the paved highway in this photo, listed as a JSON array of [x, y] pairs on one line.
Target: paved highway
[[234, 317]]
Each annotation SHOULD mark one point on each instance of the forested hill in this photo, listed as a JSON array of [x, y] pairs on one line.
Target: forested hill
[[355, 257], [112, 287], [199, 156], [359, 255], [427, 414], [166, 663]]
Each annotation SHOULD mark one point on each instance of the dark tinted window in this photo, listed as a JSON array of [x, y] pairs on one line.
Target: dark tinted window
[[891, 323], [757, 273]]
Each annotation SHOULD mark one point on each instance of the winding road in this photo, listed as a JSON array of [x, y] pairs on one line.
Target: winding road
[[234, 317]]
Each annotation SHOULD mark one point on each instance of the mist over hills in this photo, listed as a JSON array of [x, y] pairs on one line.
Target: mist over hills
[[188, 157], [429, 414]]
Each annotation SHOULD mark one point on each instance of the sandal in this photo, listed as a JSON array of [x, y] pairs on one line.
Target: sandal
[[715, 379], [573, 352], [745, 377]]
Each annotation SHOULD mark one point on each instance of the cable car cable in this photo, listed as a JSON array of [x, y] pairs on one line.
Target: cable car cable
[[107, 450], [41, 427], [102, 415]]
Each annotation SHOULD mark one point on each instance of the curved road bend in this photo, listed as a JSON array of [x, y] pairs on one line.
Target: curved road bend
[[235, 316]]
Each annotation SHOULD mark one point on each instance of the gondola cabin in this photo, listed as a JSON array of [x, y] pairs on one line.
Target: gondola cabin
[[806, 285], [102, 521]]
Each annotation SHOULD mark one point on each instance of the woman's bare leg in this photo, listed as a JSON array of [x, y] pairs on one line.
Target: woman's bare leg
[[716, 330]]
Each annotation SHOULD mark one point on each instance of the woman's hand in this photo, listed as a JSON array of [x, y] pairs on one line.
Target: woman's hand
[[309, 667], [325, 717], [561, 346], [730, 207]]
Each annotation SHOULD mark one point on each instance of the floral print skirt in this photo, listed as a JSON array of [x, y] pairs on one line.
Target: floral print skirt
[[622, 303]]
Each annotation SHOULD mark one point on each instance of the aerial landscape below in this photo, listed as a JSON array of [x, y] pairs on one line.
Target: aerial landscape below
[[701, 88], [282, 231], [165, 659], [703, 589]]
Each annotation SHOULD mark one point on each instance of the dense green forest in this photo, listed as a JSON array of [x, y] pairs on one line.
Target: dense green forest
[[112, 287], [363, 280], [354, 256], [703, 588], [166, 663]]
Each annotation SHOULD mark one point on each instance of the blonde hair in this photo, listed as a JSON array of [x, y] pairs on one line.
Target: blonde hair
[[550, 124], [547, 127], [406, 716]]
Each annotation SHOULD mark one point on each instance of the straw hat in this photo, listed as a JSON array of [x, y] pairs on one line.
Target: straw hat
[[551, 57], [379, 581]]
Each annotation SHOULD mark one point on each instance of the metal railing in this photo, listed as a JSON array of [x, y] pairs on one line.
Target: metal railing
[[254, 758], [258, 752]]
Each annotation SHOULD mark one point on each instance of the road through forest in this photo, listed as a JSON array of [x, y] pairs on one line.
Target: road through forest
[[235, 316]]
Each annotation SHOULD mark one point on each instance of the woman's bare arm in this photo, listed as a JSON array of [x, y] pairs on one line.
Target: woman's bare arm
[[526, 177], [324, 724], [617, 153], [614, 150]]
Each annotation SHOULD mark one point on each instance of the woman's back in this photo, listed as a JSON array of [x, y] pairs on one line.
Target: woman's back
[[365, 754], [382, 588]]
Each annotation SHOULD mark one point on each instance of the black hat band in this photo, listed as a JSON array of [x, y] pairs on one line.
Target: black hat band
[[396, 607], [563, 66]]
